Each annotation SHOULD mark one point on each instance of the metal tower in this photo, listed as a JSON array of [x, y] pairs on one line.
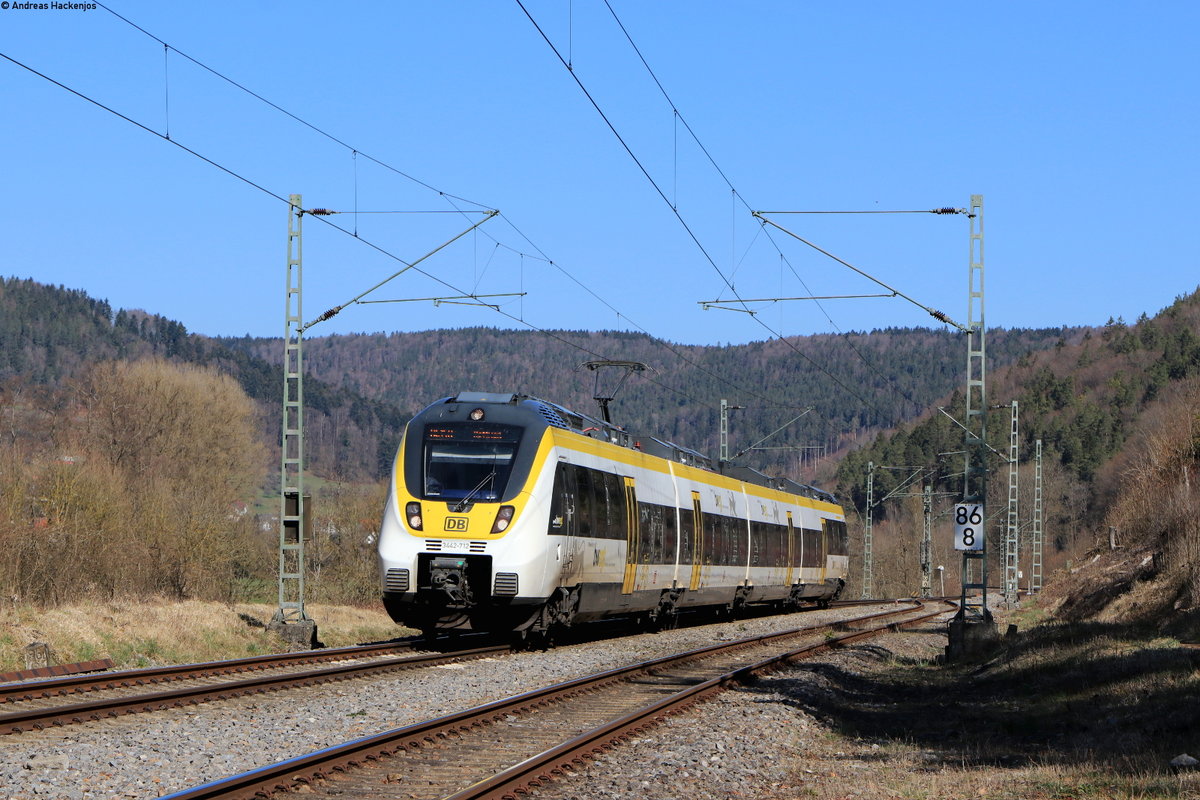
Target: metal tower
[[1012, 554], [724, 430], [292, 501], [1035, 569], [975, 468], [868, 565], [927, 543]]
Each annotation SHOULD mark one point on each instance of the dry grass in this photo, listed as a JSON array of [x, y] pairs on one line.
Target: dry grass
[[1085, 712], [899, 773], [141, 633]]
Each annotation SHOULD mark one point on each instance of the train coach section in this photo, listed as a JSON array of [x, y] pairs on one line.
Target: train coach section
[[156, 754]]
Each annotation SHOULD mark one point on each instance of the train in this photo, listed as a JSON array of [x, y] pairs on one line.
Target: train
[[510, 514]]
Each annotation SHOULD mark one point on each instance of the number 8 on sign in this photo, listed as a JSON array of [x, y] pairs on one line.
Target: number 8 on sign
[[968, 526]]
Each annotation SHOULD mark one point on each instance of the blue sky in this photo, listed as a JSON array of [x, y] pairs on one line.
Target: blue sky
[[1076, 121]]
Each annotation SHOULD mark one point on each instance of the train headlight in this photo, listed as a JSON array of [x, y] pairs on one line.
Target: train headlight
[[503, 518], [413, 512], [476, 414]]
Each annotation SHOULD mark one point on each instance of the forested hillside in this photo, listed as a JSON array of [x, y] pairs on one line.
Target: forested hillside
[[1117, 414], [1101, 400], [360, 389], [50, 335], [855, 383], [1082, 400]]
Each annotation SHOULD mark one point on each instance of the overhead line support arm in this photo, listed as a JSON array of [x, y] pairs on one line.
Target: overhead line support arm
[[337, 309], [933, 312]]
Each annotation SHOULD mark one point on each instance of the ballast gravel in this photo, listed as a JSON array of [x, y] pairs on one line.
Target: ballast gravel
[[742, 744]]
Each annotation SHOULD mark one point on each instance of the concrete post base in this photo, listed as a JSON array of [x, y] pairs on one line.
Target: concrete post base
[[971, 639], [300, 635]]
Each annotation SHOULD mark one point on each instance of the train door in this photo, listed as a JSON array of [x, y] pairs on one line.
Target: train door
[[791, 548], [632, 537], [697, 541], [562, 521]]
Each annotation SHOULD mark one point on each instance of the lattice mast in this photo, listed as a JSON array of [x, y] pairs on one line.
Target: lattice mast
[[1012, 530], [868, 560], [1035, 567], [975, 467], [724, 430], [291, 485], [927, 542]]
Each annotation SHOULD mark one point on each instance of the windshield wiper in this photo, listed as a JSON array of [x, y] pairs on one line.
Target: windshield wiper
[[461, 505]]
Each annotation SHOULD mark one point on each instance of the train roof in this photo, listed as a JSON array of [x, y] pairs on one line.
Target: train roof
[[559, 417]]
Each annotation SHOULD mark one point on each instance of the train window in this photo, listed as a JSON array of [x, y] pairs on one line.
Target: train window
[[686, 535], [713, 540], [814, 551], [650, 520], [610, 505], [837, 539], [585, 502], [728, 540], [739, 534], [600, 520], [468, 462], [767, 544], [618, 506], [561, 502], [669, 537]]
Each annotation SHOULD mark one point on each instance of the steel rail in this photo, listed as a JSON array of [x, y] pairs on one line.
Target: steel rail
[[37, 719], [30, 690], [292, 773], [113, 679], [541, 768]]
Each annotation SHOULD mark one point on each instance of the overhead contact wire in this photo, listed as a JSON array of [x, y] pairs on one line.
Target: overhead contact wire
[[147, 129], [167, 47], [680, 218], [355, 153], [680, 118], [662, 342], [383, 251], [287, 113]]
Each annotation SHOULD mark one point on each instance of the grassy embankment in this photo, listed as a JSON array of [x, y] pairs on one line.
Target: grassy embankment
[[141, 634]]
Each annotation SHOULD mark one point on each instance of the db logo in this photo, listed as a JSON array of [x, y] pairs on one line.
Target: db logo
[[456, 524]]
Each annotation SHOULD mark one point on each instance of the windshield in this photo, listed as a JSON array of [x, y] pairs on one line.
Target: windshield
[[468, 462]]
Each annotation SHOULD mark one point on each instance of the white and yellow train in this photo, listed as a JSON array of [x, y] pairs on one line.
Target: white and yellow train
[[509, 513]]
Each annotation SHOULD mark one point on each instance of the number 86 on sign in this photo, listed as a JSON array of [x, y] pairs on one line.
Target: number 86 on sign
[[968, 526]]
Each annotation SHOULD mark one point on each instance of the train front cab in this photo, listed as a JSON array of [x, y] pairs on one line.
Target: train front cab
[[462, 546]]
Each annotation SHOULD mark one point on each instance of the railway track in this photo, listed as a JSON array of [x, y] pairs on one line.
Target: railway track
[[35, 705], [496, 749], [32, 705]]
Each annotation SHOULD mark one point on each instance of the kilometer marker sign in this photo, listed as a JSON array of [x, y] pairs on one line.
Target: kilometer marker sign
[[968, 526]]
